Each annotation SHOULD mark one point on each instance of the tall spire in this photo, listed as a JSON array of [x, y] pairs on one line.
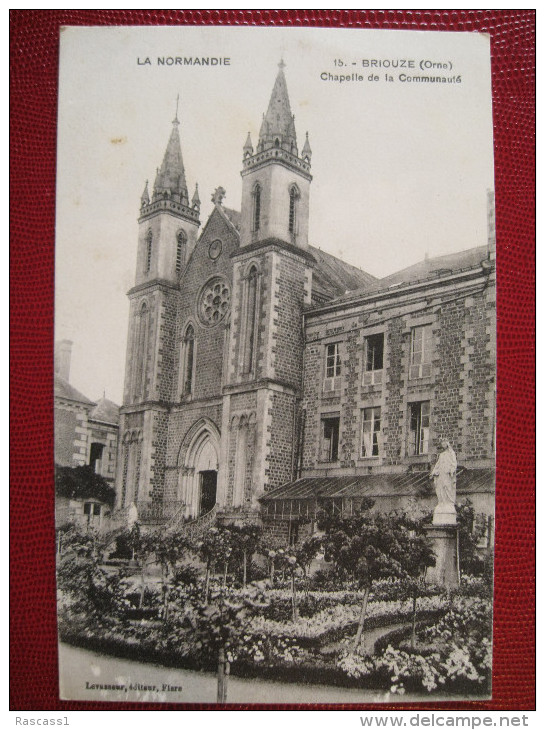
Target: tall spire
[[170, 181], [278, 128]]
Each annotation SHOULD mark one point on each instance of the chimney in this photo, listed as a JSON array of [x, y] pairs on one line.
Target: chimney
[[491, 216], [63, 355]]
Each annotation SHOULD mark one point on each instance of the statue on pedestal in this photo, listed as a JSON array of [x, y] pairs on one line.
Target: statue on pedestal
[[132, 516], [444, 479]]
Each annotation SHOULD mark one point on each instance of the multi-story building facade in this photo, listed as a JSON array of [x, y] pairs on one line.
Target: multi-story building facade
[[259, 366], [86, 434]]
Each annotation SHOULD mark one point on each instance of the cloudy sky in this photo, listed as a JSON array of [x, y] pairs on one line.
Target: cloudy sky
[[400, 167]]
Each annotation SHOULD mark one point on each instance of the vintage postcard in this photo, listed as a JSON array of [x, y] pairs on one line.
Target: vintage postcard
[[275, 365]]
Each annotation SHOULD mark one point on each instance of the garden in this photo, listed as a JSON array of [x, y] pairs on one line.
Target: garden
[[232, 602]]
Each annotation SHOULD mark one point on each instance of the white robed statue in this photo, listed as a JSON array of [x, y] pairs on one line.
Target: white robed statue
[[444, 479], [132, 516]]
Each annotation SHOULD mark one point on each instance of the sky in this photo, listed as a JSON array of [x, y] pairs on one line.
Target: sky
[[400, 167]]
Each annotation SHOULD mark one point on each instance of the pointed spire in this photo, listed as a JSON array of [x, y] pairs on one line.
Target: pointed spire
[[175, 120], [278, 128], [144, 198], [195, 200], [306, 153], [170, 181], [248, 149]]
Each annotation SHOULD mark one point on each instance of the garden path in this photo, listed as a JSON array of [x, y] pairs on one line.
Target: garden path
[[80, 666], [371, 637]]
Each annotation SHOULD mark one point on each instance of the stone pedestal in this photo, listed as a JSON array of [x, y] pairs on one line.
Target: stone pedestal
[[444, 541]]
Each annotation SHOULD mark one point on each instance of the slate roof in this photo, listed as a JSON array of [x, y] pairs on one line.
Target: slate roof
[[278, 121], [336, 277], [379, 485], [438, 265], [171, 175], [105, 411], [63, 389], [233, 215], [427, 270]]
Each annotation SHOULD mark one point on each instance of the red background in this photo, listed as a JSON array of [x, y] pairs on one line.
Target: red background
[[33, 118]]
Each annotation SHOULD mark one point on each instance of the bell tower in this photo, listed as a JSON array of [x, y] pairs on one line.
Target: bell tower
[[272, 279], [275, 178], [168, 227], [168, 222]]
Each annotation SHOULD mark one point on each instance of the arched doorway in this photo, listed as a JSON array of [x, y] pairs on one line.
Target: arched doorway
[[199, 468]]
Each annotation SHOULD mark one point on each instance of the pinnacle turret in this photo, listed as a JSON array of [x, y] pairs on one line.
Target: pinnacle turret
[[144, 198], [195, 200], [248, 149], [306, 153]]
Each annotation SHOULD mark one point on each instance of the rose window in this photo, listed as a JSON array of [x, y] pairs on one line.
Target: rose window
[[214, 301]]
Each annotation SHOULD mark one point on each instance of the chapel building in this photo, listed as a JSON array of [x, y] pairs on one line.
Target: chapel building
[[267, 380]]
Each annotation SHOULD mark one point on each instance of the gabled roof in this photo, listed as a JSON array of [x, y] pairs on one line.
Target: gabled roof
[[332, 276], [105, 411], [233, 215], [63, 389], [436, 265], [423, 271], [335, 277]]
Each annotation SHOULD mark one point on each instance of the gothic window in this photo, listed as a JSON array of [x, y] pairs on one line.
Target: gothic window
[[149, 248], [251, 321], [419, 428], [370, 432], [257, 207], [188, 357], [142, 336], [421, 347], [374, 359], [181, 240], [294, 196], [330, 438]]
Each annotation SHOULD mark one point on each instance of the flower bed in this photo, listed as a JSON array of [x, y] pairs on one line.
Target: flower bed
[[455, 654], [326, 624]]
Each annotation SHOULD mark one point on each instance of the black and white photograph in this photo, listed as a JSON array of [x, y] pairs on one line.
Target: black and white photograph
[[275, 365]]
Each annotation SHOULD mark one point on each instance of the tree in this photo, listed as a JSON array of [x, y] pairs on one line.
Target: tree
[[142, 546], [169, 550], [221, 628], [416, 554], [369, 547], [215, 547], [306, 552], [471, 562], [81, 482], [244, 542], [92, 593]]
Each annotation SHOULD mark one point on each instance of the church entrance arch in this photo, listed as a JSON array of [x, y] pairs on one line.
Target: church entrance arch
[[199, 457]]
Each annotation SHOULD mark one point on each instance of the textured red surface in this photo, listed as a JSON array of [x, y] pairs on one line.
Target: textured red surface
[[34, 58]]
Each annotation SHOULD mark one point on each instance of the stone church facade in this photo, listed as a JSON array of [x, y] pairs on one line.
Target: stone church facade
[[253, 358]]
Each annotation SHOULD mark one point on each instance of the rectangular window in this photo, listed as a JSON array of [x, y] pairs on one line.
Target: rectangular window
[[95, 457], [421, 346], [374, 359], [330, 439], [419, 428], [371, 435], [332, 368]]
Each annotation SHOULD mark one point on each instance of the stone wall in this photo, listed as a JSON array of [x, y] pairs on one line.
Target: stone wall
[[460, 386]]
